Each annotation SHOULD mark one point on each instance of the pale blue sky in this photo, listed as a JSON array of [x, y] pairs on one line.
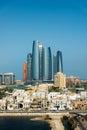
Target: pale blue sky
[[60, 24]]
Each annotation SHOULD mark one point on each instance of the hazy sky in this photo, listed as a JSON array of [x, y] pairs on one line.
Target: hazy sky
[[60, 24]]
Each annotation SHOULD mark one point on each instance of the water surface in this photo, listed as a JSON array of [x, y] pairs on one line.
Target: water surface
[[22, 123]]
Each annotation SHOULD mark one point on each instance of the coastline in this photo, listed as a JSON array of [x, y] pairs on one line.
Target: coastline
[[54, 121]]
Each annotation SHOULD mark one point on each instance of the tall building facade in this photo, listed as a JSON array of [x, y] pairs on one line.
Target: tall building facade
[[40, 46], [29, 66], [47, 64], [60, 80], [58, 63], [9, 79], [1, 79], [54, 64], [41, 62], [35, 60], [25, 71]]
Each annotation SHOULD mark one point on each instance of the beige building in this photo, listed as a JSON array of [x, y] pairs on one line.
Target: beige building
[[79, 105], [60, 80]]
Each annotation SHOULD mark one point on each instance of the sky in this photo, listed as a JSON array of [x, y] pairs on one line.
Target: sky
[[60, 24]]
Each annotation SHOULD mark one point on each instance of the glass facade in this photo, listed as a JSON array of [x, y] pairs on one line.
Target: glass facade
[[47, 64], [29, 66], [40, 61], [59, 62], [54, 64], [35, 61]]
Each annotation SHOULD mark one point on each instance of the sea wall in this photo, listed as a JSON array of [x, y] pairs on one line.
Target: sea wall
[[54, 121]]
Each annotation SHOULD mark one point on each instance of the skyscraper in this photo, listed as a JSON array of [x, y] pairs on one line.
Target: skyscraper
[[29, 66], [57, 63], [25, 71], [40, 46], [1, 79], [54, 64], [35, 61], [47, 64], [41, 62]]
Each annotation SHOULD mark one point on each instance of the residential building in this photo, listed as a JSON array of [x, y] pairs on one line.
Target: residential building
[[9, 78], [60, 80], [73, 80]]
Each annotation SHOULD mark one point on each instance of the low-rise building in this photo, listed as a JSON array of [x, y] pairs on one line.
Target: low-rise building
[[73, 80], [79, 105]]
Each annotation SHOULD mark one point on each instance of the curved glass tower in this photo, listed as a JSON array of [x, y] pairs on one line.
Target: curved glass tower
[[40, 61], [47, 64], [35, 61], [59, 62], [29, 66]]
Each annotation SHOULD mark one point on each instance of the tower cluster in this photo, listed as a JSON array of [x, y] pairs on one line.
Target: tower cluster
[[39, 63]]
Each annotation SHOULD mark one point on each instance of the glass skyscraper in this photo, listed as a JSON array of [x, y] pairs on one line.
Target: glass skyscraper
[[41, 62], [35, 61], [47, 64], [29, 66], [59, 62], [54, 64]]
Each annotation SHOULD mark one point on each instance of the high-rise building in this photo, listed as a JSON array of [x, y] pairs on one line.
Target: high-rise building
[[1, 79], [29, 66], [57, 63], [35, 61], [9, 78], [41, 62], [40, 46], [25, 71], [47, 64], [54, 64], [60, 80]]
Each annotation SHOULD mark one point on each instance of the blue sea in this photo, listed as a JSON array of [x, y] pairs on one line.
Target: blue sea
[[22, 123]]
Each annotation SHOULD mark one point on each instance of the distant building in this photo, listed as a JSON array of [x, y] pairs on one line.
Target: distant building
[[57, 63], [60, 80], [78, 90], [9, 78], [37, 54], [73, 80], [25, 71], [29, 66], [1, 79], [41, 62], [47, 64]]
